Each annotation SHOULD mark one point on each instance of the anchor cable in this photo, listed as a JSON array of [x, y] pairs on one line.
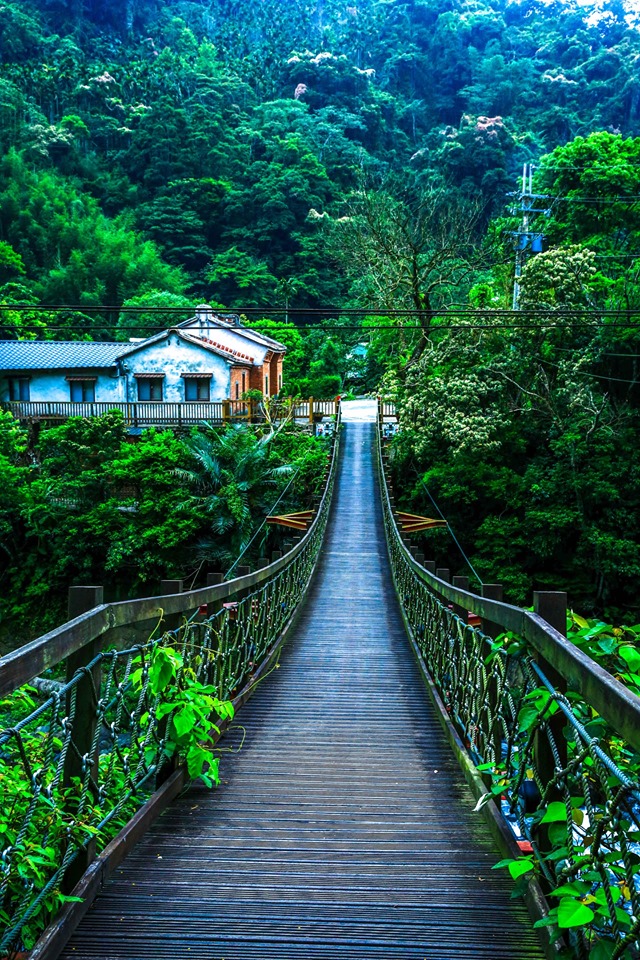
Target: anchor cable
[[264, 522], [455, 539]]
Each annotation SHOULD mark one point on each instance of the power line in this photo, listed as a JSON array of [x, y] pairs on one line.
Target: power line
[[588, 165], [626, 356], [432, 330], [332, 310], [602, 376], [566, 199]]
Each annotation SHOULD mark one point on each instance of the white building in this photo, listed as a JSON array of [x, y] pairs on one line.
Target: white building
[[206, 358]]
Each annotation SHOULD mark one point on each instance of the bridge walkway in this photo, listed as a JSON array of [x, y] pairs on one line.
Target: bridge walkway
[[343, 827]]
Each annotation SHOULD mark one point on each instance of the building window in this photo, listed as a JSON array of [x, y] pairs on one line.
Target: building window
[[19, 388], [244, 381], [237, 390], [266, 386], [279, 381], [82, 391], [149, 388], [197, 388]]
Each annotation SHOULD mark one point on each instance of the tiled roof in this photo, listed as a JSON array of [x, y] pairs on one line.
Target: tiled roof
[[56, 355]]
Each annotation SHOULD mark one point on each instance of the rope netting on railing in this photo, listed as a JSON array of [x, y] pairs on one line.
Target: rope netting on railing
[[75, 768], [562, 775]]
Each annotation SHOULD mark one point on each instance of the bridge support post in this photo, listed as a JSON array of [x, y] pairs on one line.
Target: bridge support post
[[443, 573], [167, 587], [552, 607], [489, 722], [462, 583], [171, 622], [492, 591], [81, 761], [171, 586], [213, 579]]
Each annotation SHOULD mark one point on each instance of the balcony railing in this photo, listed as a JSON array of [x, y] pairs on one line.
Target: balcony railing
[[147, 413]]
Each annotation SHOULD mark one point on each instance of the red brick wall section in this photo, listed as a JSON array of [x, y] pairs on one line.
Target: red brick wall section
[[256, 379], [255, 376], [236, 382], [267, 387], [275, 368]]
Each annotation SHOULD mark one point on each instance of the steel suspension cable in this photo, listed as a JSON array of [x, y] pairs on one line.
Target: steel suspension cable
[[455, 539], [264, 522]]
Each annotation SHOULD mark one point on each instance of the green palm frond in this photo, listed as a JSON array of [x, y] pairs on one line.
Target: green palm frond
[[221, 524]]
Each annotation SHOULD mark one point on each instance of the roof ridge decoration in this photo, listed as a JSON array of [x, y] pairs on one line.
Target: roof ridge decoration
[[207, 317], [220, 346], [190, 337]]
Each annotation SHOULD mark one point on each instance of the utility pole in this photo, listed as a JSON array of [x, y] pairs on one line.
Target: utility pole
[[525, 241], [522, 235]]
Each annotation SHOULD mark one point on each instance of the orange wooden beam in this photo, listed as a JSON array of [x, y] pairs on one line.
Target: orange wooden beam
[[297, 521], [412, 522]]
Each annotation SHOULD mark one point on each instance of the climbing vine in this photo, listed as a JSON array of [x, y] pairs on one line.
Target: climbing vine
[[581, 832], [156, 710]]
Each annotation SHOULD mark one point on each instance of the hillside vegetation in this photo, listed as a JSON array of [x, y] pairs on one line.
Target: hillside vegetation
[[292, 156], [188, 146]]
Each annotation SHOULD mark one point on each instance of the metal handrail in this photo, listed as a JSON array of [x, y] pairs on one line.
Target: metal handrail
[[550, 732], [613, 701]]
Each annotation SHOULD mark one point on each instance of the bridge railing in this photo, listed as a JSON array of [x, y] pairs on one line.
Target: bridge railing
[[107, 749], [554, 738]]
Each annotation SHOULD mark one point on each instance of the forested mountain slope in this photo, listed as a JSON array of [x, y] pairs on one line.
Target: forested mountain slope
[[180, 146]]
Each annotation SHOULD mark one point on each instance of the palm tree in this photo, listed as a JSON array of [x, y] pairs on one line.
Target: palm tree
[[287, 287], [236, 483]]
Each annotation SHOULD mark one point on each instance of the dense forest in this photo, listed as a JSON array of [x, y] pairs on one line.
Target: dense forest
[[300, 160], [80, 502], [198, 148]]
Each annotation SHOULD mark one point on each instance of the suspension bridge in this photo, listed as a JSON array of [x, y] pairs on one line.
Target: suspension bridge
[[376, 770]]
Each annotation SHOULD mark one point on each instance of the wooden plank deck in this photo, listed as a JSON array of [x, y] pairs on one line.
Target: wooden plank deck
[[344, 828]]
